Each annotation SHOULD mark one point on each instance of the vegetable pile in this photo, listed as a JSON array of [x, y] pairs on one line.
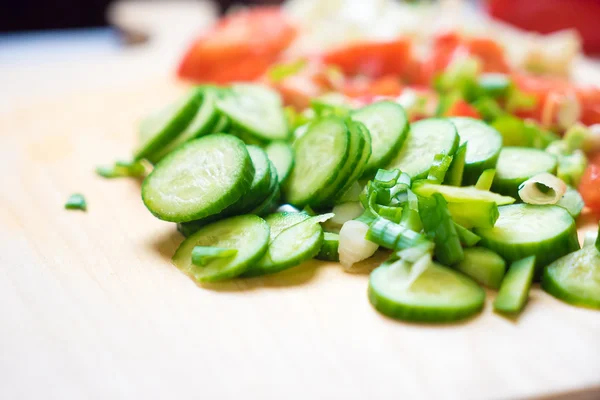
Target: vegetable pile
[[467, 173]]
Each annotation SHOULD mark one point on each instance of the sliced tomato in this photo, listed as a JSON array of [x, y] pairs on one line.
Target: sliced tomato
[[461, 108], [238, 46], [373, 59], [590, 185], [384, 86]]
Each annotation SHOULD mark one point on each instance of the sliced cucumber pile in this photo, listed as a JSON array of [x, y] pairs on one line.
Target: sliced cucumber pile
[[443, 208]]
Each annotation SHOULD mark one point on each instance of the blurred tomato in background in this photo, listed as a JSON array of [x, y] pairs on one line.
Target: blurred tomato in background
[[546, 16]]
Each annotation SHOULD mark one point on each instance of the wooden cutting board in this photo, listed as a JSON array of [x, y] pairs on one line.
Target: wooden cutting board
[[90, 306]]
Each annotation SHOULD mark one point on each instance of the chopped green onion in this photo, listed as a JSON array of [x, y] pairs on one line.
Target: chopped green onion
[[494, 84], [439, 227], [279, 72], [542, 188], [393, 214], [441, 163], [475, 214], [410, 219], [516, 132], [486, 179], [202, 255], [76, 202], [454, 176], [346, 211], [386, 178], [518, 100], [122, 169], [488, 108], [367, 217], [393, 236], [466, 237]]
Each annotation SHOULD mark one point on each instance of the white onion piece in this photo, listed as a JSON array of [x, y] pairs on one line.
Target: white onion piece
[[346, 211], [590, 238], [531, 194], [353, 246]]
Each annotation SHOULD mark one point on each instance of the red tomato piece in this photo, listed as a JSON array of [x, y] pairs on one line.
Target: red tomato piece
[[384, 86], [461, 108], [590, 185], [239, 47]]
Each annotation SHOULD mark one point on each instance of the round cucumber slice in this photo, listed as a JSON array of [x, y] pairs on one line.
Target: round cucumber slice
[[425, 139], [248, 234], [282, 156], [256, 109], [320, 156], [262, 184], [523, 230], [517, 164], [204, 121], [360, 167], [438, 294], [199, 179], [294, 245], [388, 126], [159, 129], [222, 125], [575, 278], [272, 197], [483, 146], [278, 222]]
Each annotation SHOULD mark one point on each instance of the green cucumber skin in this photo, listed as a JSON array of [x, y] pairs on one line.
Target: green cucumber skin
[[262, 186], [393, 148], [241, 186], [473, 264], [545, 251], [282, 167], [510, 186], [514, 290], [173, 129], [329, 249], [577, 296], [454, 175], [424, 314]]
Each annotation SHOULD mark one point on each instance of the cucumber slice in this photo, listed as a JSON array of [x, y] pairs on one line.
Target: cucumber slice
[[483, 266], [204, 121], [222, 125], [438, 294], [199, 179], [320, 156], [248, 234], [256, 109], [425, 139], [262, 183], [358, 171], [278, 222], [281, 155], [517, 164], [523, 230], [328, 194], [454, 175], [572, 202], [159, 129], [480, 214], [466, 237], [271, 202], [514, 289], [329, 249], [388, 126], [483, 146], [293, 246], [575, 278], [454, 194]]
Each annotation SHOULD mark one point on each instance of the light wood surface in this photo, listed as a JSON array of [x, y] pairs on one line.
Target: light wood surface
[[90, 306]]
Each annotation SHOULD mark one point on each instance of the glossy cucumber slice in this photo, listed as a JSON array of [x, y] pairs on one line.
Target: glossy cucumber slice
[[281, 155], [425, 139], [572, 202], [222, 125], [271, 202], [517, 164], [203, 122], [294, 245], [483, 146], [480, 214], [278, 222], [482, 265], [199, 179], [256, 109], [514, 290], [329, 249], [327, 195], [523, 230], [248, 234], [262, 183], [454, 175], [575, 278], [358, 171], [159, 129], [454, 194], [388, 126], [321, 154], [438, 294]]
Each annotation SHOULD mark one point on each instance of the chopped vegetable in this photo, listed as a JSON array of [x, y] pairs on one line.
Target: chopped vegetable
[[122, 169], [330, 248], [486, 179], [353, 245], [483, 265], [440, 228], [202, 255], [543, 188], [514, 290], [76, 202]]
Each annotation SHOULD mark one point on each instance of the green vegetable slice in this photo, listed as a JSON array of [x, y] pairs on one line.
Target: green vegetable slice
[[202, 255], [514, 289], [248, 234], [523, 230], [454, 176], [388, 126], [486, 179], [120, 169], [482, 265], [159, 129], [362, 162], [480, 214], [572, 202], [76, 201], [438, 294], [439, 168], [425, 139], [454, 194], [199, 179], [257, 109], [281, 155], [329, 249], [466, 237]]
